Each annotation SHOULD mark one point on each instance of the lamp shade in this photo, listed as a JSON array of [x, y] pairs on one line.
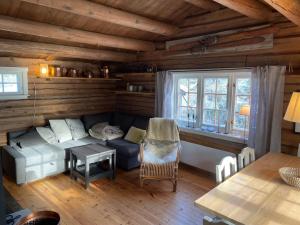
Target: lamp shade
[[245, 110], [292, 113]]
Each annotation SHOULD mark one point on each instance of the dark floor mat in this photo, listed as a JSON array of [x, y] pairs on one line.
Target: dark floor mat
[[11, 204]]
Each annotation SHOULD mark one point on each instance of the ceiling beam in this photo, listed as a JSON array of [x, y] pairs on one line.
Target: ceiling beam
[[251, 8], [107, 14], [60, 51], [45, 30], [205, 4], [289, 8]]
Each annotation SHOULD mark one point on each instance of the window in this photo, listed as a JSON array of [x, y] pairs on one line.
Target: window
[[13, 83], [187, 101], [211, 101]]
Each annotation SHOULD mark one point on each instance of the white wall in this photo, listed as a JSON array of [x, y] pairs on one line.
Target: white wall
[[201, 157]]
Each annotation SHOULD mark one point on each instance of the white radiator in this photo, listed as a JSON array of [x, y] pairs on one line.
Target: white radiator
[[202, 157]]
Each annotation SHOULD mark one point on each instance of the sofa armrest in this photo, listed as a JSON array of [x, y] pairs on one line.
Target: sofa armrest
[[14, 164]]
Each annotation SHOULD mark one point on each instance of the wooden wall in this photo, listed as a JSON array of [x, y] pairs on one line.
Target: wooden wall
[[289, 139], [134, 102], [54, 97]]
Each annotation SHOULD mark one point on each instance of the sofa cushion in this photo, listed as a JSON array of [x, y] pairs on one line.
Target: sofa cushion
[[141, 122], [61, 130], [123, 120], [90, 120], [77, 129], [28, 139], [38, 154], [47, 134], [124, 147], [135, 135], [69, 144]]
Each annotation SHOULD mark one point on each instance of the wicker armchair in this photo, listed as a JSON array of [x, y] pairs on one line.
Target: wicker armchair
[[165, 166]]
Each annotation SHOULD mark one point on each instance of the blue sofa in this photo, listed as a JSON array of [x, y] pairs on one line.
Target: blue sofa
[[38, 159]]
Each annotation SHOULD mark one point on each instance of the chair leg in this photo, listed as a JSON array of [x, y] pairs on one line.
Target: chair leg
[[141, 182], [175, 186]]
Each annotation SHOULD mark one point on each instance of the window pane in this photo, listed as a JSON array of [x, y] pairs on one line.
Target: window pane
[[222, 85], [222, 117], [209, 85], [209, 101], [239, 121], [183, 101], [10, 88], [193, 85], [192, 114], [183, 85], [182, 113], [243, 86], [209, 117], [10, 78], [0, 78], [1, 87], [240, 101], [192, 100], [222, 102]]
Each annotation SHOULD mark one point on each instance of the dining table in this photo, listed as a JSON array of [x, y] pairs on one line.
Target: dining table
[[256, 195]]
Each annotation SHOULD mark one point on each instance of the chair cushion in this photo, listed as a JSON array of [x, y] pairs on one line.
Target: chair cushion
[[141, 122], [160, 152], [77, 129], [61, 130], [123, 120], [90, 120], [124, 147]]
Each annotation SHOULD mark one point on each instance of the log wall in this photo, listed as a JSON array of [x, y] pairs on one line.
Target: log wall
[[54, 97], [134, 102]]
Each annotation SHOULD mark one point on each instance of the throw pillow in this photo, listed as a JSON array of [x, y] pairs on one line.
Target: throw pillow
[[96, 131], [61, 130], [47, 134], [112, 132], [77, 129], [135, 135]]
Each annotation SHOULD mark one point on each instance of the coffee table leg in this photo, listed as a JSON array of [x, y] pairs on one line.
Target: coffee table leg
[[71, 165], [87, 174], [114, 165]]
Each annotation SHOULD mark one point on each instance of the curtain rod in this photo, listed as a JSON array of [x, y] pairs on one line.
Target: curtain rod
[[216, 69]]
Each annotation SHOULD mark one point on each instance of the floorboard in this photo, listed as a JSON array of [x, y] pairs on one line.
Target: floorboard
[[117, 202]]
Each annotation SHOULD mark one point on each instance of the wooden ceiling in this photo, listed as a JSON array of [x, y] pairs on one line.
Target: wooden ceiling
[[115, 30]]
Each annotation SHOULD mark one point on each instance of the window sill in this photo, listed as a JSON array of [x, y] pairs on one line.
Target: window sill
[[222, 136]]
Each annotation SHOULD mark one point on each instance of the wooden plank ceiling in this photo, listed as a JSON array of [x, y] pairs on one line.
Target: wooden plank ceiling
[[116, 30]]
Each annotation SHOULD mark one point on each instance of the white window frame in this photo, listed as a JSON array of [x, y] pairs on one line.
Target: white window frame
[[22, 82], [231, 74]]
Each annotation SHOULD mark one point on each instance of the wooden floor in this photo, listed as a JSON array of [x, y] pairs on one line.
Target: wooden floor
[[119, 202]]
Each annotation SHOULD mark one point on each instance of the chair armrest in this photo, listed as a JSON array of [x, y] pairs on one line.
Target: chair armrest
[[14, 164]]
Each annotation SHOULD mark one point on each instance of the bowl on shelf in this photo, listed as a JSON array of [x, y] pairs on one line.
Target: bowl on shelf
[[290, 176]]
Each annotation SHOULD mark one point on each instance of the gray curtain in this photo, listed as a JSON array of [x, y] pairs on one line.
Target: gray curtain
[[266, 109], [164, 94]]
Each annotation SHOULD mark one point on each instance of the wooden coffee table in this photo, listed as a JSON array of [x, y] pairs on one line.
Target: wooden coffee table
[[91, 155]]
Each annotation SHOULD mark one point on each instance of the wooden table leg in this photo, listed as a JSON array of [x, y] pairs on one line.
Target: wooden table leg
[[71, 165], [114, 165]]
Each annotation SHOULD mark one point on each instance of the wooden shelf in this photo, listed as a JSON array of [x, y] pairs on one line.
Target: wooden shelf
[[135, 93], [76, 78]]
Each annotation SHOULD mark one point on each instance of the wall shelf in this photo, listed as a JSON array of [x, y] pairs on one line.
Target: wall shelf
[[76, 78], [135, 93]]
